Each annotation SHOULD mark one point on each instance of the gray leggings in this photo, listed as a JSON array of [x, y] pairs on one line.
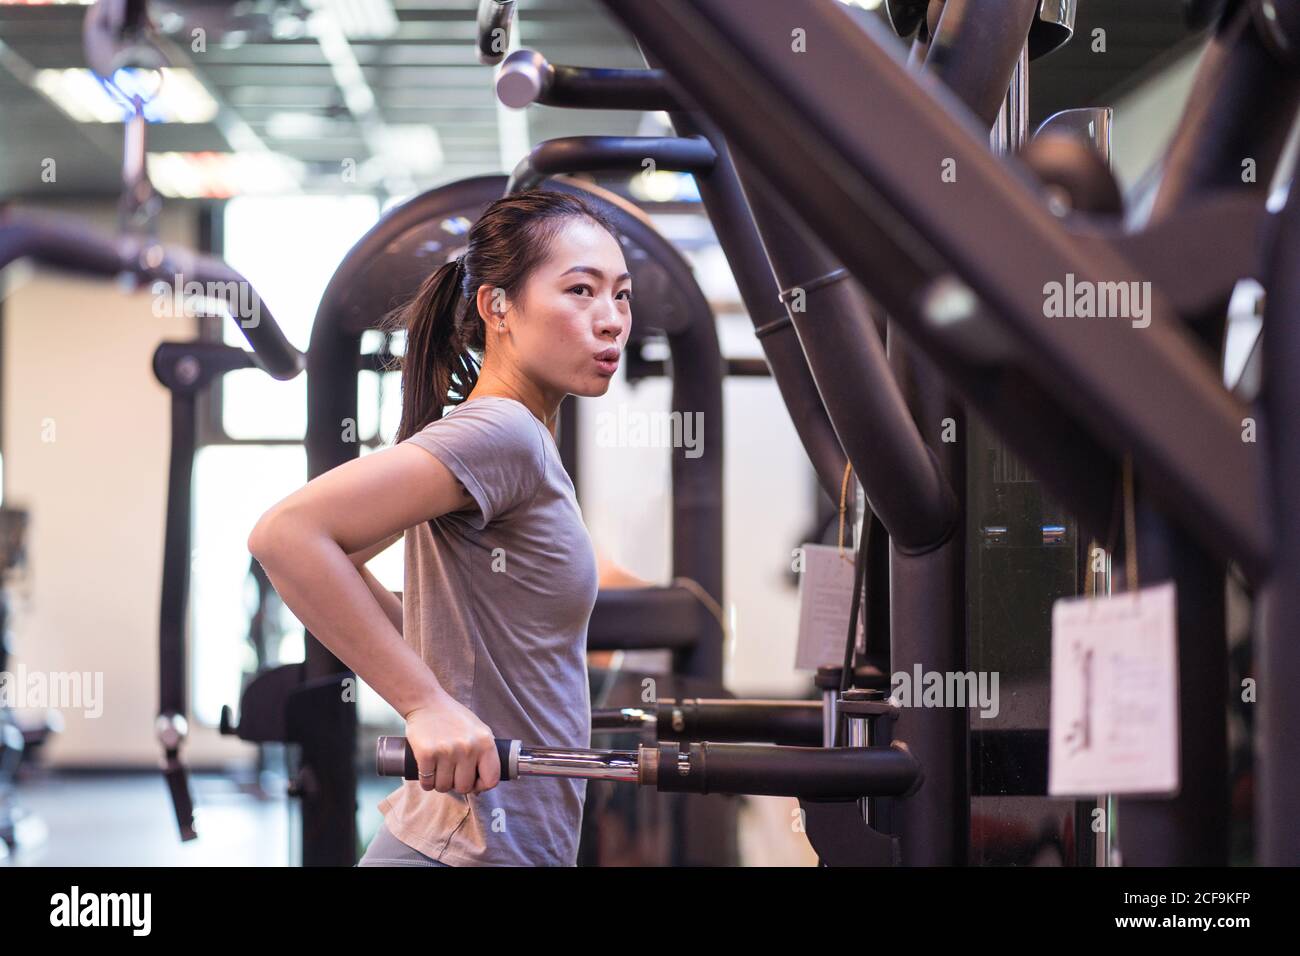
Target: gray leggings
[[386, 850]]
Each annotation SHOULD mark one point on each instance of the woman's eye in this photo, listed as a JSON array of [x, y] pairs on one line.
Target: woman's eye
[[627, 295], [577, 287]]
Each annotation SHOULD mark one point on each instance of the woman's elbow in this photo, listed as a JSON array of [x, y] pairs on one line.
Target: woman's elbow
[[268, 536]]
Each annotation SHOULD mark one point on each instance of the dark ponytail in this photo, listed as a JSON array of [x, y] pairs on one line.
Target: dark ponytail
[[445, 335], [437, 360]]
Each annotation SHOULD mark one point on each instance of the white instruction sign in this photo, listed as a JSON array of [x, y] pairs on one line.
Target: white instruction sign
[[825, 595], [1114, 717]]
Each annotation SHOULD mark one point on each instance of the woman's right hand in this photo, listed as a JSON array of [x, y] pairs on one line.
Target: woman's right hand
[[454, 749]]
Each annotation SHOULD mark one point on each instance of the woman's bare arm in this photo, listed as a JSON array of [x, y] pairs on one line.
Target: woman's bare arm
[[305, 542], [312, 545], [360, 558], [389, 601]]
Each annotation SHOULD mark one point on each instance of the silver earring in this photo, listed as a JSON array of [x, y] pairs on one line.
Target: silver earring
[[501, 326]]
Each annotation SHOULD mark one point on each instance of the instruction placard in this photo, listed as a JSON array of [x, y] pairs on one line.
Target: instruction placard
[[1114, 714], [825, 596]]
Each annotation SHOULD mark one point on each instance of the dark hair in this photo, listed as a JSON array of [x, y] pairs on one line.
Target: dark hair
[[443, 326]]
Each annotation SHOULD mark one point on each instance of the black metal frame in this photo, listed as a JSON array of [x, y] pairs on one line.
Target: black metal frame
[[880, 205], [1150, 393]]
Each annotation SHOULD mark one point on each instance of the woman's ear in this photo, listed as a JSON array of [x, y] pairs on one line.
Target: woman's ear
[[492, 302]]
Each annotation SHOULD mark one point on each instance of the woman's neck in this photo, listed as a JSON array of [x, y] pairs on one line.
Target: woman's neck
[[492, 386]]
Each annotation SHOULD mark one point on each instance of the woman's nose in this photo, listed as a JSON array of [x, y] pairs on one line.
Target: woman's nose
[[611, 324]]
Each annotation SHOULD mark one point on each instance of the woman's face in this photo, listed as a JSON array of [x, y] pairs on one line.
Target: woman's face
[[568, 326]]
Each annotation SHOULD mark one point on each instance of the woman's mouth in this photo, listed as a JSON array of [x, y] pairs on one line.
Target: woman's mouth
[[607, 361]]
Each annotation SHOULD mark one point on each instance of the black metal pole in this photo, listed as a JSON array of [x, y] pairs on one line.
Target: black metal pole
[[1220, 146], [328, 777], [1214, 140], [975, 48], [1190, 828], [1217, 137], [724, 201], [928, 630], [1277, 652], [837, 331]]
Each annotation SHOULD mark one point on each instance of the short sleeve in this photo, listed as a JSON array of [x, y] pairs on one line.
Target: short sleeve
[[495, 447]]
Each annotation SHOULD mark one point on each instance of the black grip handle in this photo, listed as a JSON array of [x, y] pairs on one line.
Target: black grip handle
[[793, 722], [394, 758], [60, 241], [527, 77], [840, 773], [587, 154], [272, 350], [68, 243]]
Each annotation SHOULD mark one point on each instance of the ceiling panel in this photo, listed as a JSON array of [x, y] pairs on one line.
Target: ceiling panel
[[284, 93]]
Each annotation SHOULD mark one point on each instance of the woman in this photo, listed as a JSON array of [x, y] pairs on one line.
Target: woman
[[489, 639]]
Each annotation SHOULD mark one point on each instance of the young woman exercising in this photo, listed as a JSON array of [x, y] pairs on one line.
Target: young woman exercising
[[489, 638]]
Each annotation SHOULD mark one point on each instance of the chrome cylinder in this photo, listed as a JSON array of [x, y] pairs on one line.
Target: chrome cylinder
[[522, 79], [830, 700], [858, 734], [624, 718], [1011, 128], [1093, 123], [620, 765]]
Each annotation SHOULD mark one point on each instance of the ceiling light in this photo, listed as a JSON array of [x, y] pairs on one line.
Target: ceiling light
[[87, 99], [664, 186], [289, 125], [222, 175], [362, 19], [412, 147]]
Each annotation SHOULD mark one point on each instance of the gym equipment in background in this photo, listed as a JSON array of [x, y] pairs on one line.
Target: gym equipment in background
[[939, 260], [21, 738], [118, 35]]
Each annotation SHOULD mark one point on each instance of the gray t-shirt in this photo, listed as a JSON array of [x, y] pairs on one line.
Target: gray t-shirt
[[497, 599]]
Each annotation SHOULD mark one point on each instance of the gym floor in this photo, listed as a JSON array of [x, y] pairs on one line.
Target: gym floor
[[102, 819], [125, 819]]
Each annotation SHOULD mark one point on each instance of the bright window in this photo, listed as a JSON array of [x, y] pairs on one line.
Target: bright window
[[288, 249]]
